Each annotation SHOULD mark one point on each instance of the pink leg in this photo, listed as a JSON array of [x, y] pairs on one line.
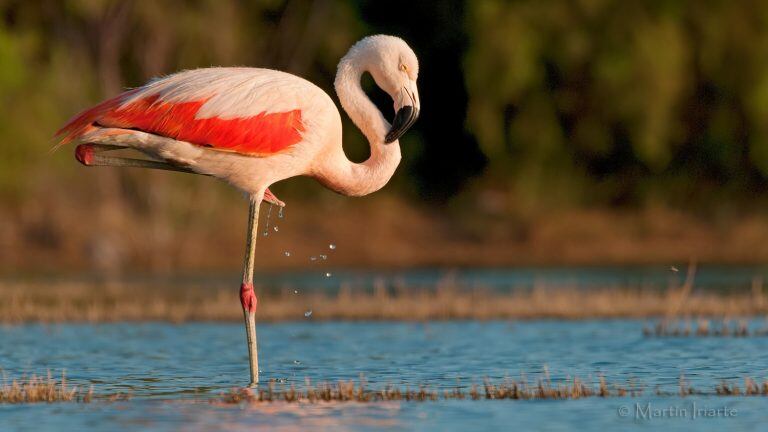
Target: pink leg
[[89, 154], [247, 296], [272, 199]]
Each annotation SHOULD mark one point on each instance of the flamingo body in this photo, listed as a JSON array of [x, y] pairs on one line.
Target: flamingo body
[[232, 123], [254, 127], [250, 111]]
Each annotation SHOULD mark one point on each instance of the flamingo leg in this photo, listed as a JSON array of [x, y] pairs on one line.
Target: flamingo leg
[[91, 155], [247, 295]]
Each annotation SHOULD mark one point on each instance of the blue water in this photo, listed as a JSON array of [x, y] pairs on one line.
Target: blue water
[[173, 370], [707, 276]]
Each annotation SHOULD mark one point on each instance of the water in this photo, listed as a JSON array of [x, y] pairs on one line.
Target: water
[[709, 277], [269, 215], [170, 368]]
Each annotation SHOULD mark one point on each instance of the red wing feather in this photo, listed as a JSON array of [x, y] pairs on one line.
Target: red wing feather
[[262, 134], [83, 122]]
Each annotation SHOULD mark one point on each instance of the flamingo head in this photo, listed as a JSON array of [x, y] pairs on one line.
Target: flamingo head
[[395, 69]]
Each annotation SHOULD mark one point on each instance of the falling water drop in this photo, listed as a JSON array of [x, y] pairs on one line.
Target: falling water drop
[[323, 257], [295, 291], [296, 362], [269, 214], [674, 269], [328, 274], [308, 313], [332, 246], [275, 228], [286, 253], [280, 212]]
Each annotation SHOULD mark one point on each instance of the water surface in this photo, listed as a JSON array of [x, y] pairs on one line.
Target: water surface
[[171, 370], [707, 276]]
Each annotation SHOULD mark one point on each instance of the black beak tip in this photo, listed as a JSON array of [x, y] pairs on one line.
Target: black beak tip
[[404, 118]]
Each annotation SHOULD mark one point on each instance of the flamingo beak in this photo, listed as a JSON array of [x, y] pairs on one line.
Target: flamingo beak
[[405, 116]]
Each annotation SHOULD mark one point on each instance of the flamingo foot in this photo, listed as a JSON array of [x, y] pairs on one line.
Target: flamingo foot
[[84, 154], [248, 297], [272, 199]]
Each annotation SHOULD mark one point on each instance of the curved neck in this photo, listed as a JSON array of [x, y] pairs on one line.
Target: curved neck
[[351, 178]]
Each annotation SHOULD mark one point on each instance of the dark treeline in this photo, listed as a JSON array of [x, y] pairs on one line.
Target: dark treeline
[[584, 102], [529, 108]]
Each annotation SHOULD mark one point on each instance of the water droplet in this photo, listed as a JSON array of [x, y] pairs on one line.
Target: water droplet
[[286, 253], [280, 212], [295, 291], [269, 214], [674, 269], [332, 246], [313, 258], [275, 228], [308, 313], [328, 274], [323, 257], [296, 362]]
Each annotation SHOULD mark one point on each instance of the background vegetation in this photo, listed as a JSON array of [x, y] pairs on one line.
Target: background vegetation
[[581, 131]]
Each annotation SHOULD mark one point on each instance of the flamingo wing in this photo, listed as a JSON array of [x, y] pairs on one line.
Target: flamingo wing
[[250, 111]]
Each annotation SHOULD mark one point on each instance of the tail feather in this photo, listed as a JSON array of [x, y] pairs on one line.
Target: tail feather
[[83, 122]]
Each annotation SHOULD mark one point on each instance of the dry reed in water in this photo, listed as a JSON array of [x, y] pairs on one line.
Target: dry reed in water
[[94, 302], [38, 389], [703, 328], [510, 389], [346, 391]]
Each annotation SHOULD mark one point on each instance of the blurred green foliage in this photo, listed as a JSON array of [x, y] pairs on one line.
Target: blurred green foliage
[[580, 102], [59, 57], [621, 101]]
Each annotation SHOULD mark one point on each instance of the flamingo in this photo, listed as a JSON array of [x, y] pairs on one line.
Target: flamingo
[[253, 127]]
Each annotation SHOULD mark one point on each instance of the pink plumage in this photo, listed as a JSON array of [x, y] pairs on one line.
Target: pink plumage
[[171, 108], [254, 127]]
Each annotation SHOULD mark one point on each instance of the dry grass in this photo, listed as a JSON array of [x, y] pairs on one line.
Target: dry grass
[[35, 389], [41, 389], [704, 328], [95, 302], [751, 388], [351, 391]]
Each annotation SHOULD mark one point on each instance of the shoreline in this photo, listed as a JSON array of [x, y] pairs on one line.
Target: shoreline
[[384, 233], [94, 302]]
